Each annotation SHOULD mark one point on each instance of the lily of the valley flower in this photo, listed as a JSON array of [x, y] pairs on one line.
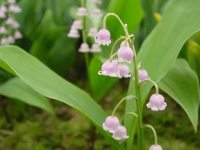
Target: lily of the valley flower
[[157, 102]]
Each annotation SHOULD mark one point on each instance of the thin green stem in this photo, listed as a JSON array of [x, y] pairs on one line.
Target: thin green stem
[[118, 41], [154, 132], [121, 101], [154, 83], [84, 35], [129, 113]]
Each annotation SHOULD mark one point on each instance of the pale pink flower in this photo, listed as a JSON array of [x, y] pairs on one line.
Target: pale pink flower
[[17, 35], [125, 53], [11, 1], [84, 48], [124, 71], [3, 11], [143, 75], [103, 37], [77, 24], [3, 30], [73, 33], [95, 48], [82, 11], [92, 32], [120, 133], [96, 12], [109, 68], [10, 40], [157, 102], [14, 9], [155, 147], [96, 1], [111, 123]]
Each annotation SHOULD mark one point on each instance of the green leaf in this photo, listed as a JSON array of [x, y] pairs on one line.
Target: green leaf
[[17, 89], [160, 50], [166, 41], [130, 11], [182, 84], [100, 85], [46, 82], [45, 36]]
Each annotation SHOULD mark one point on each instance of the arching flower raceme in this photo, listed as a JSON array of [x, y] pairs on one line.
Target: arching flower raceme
[[84, 48], [82, 11], [157, 102], [120, 133], [110, 68], [95, 48], [92, 32], [111, 123], [155, 147], [73, 33], [125, 53], [124, 71], [77, 24], [103, 37], [143, 75]]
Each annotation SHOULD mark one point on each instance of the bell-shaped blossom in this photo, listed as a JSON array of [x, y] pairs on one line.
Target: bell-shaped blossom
[[84, 48], [95, 48], [7, 40], [143, 75], [17, 35], [14, 9], [77, 24], [157, 102], [82, 11], [3, 30], [10, 40], [111, 123], [73, 33], [125, 53], [96, 12], [92, 32], [120, 133], [110, 68], [103, 37], [155, 147], [124, 71]]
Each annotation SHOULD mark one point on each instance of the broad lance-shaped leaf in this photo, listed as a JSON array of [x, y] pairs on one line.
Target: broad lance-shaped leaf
[[46, 82], [160, 50], [17, 89], [182, 84]]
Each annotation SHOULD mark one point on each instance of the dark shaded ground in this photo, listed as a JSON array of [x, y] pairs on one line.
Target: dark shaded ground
[[33, 129]]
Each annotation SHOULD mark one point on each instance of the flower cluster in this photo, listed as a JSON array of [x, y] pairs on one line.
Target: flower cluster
[[112, 125], [115, 67], [9, 28], [118, 66], [80, 25]]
